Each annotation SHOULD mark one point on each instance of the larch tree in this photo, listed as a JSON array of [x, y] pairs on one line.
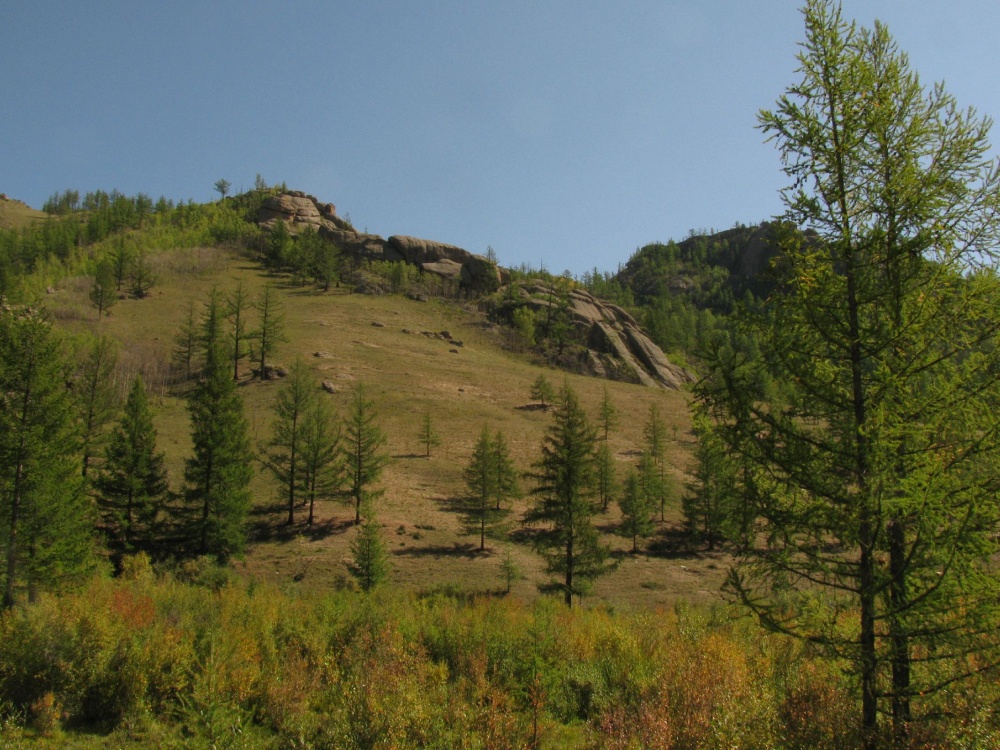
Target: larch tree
[[362, 449], [238, 304], [429, 436], [186, 342], [95, 392], [871, 472], [607, 478], [45, 522], [607, 416], [132, 483], [637, 510], [218, 474], [271, 330], [370, 563], [283, 453], [655, 433], [564, 488], [103, 294], [322, 469]]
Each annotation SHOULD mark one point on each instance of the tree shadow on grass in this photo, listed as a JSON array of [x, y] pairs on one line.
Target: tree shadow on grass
[[268, 525], [467, 550], [671, 543]]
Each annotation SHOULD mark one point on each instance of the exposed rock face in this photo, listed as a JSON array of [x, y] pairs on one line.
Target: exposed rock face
[[609, 330]]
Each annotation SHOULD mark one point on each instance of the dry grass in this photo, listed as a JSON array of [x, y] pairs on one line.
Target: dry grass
[[14, 214], [379, 341]]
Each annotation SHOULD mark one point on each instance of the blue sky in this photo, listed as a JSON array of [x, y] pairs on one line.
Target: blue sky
[[563, 133]]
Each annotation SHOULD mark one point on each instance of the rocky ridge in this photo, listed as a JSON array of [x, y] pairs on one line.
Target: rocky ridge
[[616, 347]]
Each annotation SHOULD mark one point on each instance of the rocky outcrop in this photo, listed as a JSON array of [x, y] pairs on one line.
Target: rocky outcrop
[[298, 211], [615, 345], [606, 329]]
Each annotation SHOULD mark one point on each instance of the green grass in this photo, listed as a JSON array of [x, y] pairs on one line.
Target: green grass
[[15, 214], [379, 340]]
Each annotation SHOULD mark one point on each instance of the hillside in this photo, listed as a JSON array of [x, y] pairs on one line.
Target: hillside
[[393, 345], [15, 214]]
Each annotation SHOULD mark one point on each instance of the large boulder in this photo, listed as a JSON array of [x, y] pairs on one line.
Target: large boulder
[[479, 275]]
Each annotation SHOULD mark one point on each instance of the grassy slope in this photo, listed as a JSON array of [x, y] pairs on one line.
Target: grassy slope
[[15, 214], [408, 374]]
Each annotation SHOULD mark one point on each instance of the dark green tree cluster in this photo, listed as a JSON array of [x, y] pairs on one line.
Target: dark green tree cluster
[[306, 255]]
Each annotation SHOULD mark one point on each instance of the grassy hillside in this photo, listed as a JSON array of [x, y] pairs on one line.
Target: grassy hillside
[[15, 214], [381, 341]]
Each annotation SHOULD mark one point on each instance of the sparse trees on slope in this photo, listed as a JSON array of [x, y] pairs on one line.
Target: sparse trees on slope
[[564, 479], [607, 479], [132, 482], [362, 449], [872, 472], [428, 435], [218, 474], [45, 526], [608, 416]]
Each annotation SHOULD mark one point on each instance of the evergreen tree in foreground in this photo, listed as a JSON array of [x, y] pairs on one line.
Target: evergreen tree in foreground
[[565, 480], [218, 474], [637, 511], [283, 455], [132, 483], [45, 525], [322, 469], [871, 473]]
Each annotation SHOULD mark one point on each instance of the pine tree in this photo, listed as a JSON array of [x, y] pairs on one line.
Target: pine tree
[[218, 474], [507, 484], [370, 560], [132, 483], [322, 469], [428, 435], [362, 449], [282, 455], [45, 525], [711, 510], [141, 275], [565, 480], [637, 511], [96, 397]]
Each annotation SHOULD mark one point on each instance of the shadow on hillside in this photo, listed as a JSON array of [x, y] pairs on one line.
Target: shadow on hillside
[[270, 526], [671, 543], [533, 407], [455, 549], [410, 455]]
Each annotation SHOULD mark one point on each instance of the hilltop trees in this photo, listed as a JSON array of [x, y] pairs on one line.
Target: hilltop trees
[[564, 479], [45, 526], [870, 473]]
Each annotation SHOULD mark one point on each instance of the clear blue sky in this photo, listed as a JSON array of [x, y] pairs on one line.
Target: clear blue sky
[[563, 132]]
